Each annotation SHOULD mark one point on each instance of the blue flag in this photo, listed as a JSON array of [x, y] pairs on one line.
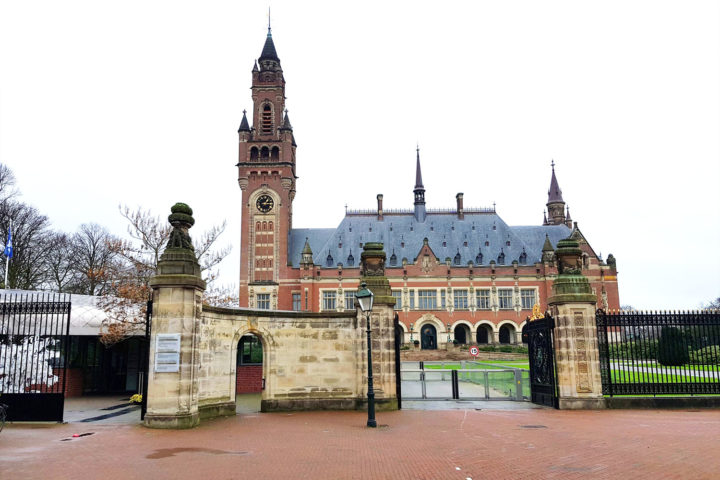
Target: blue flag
[[8, 246]]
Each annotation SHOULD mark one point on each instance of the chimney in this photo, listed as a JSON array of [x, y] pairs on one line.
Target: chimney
[[460, 211], [380, 209]]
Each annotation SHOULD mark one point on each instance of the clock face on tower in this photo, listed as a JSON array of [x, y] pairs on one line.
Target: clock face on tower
[[264, 203]]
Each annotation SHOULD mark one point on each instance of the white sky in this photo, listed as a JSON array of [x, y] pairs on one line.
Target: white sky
[[138, 103]]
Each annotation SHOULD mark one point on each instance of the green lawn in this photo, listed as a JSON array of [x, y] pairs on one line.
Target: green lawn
[[622, 376]]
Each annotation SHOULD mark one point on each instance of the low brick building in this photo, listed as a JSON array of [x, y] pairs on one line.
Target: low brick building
[[457, 274]]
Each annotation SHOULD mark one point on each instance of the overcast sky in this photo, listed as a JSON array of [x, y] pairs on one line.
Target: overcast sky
[[138, 103]]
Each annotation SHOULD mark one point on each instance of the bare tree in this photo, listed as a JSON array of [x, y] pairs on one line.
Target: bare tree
[[150, 234], [31, 236], [93, 253], [60, 272]]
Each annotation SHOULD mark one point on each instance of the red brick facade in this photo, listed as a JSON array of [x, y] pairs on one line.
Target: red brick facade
[[272, 270]]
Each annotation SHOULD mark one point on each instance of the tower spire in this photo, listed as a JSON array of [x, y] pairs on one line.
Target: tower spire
[[555, 204], [419, 191]]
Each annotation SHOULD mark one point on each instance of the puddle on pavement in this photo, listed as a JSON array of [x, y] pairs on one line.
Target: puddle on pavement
[[77, 435], [170, 452]]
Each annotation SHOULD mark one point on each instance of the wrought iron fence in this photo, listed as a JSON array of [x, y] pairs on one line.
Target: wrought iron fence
[[659, 353]]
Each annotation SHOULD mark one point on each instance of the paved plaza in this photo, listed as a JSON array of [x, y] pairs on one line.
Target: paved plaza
[[470, 440]]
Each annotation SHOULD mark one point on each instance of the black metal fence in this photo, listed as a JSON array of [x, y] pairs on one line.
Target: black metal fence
[[34, 329], [676, 353]]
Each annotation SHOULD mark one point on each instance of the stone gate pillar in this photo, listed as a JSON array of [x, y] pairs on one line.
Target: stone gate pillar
[[383, 329], [177, 304], [576, 348]]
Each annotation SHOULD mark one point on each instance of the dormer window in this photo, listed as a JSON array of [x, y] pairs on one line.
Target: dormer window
[[351, 260], [329, 261]]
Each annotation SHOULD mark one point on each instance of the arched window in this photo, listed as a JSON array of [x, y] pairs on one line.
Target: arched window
[[264, 227], [257, 226], [329, 261], [267, 123], [479, 258], [523, 257], [253, 153], [275, 153], [351, 260], [501, 258], [265, 152], [270, 226]]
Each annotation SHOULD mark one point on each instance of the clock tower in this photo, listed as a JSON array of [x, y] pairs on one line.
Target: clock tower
[[266, 175]]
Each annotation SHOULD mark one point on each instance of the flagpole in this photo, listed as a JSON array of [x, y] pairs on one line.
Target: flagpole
[[7, 261]]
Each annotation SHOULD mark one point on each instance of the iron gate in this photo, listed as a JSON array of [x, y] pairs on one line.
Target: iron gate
[[34, 342], [543, 381], [145, 368], [399, 334]]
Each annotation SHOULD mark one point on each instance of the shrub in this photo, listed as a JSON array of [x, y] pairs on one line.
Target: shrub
[[642, 350], [505, 349], [671, 349], [706, 356]]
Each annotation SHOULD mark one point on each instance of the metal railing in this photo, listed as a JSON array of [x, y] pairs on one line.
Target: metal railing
[[659, 353], [473, 383]]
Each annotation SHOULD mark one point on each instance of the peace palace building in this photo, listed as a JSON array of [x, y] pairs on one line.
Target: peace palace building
[[456, 274]]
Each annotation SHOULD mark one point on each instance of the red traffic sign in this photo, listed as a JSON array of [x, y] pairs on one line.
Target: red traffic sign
[[474, 351]]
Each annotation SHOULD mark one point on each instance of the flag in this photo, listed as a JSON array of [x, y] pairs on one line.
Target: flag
[[8, 246]]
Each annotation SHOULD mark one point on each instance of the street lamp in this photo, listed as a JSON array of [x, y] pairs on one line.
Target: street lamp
[[411, 333], [365, 301], [448, 332]]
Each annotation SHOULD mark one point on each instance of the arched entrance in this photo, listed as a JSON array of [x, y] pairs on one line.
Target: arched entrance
[[428, 337], [249, 367], [506, 333], [482, 335], [461, 334]]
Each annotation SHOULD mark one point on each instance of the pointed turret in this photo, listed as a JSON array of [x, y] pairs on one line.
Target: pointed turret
[[419, 191], [547, 250], [555, 193], [244, 125], [568, 220], [307, 254], [286, 125], [268, 58], [555, 204]]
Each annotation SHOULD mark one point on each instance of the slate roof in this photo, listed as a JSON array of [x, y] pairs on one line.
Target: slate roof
[[268, 51], [403, 236], [554, 194]]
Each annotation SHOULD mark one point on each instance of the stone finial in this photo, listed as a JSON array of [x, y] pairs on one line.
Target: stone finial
[[178, 265], [611, 261], [373, 260], [372, 269], [181, 219], [571, 285]]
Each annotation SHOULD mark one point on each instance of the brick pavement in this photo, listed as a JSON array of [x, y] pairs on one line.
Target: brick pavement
[[411, 444]]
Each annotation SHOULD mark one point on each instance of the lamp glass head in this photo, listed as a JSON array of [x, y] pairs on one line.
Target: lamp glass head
[[364, 298]]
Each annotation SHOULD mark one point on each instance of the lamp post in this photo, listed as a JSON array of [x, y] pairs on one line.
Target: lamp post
[[448, 332], [365, 301], [411, 333]]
